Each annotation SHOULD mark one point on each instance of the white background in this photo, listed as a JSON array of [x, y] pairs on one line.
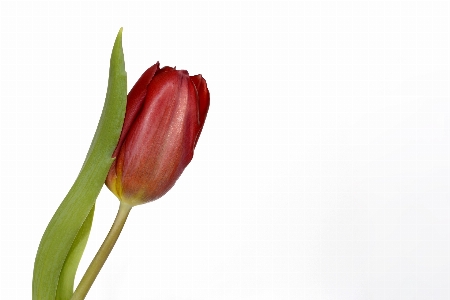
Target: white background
[[322, 171]]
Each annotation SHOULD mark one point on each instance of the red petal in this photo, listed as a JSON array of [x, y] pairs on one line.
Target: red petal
[[203, 101], [203, 97], [135, 100]]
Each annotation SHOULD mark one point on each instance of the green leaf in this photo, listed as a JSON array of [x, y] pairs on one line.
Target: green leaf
[[67, 276], [64, 227]]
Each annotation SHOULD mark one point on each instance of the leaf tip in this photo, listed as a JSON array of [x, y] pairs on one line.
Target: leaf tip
[[118, 41]]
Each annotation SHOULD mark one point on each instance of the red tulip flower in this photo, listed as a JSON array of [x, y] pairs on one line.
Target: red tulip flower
[[165, 113]]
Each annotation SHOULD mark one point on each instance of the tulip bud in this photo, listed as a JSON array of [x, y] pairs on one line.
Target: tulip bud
[[166, 110]]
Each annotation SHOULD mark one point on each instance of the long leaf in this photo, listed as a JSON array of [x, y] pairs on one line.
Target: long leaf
[[67, 277], [63, 228]]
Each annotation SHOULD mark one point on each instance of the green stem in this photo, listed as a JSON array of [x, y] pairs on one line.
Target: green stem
[[103, 253]]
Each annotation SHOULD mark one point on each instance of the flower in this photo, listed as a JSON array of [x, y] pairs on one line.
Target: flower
[[165, 114]]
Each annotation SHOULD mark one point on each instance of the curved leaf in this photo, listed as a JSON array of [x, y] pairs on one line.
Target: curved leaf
[[65, 225], [67, 276]]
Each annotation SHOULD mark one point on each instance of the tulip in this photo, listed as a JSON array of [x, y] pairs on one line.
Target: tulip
[[165, 114]]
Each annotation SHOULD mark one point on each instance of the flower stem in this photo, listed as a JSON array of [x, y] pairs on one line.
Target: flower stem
[[103, 253]]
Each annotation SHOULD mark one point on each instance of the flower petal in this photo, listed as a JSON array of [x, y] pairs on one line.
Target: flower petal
[[135, 101], [203, 100]]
